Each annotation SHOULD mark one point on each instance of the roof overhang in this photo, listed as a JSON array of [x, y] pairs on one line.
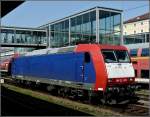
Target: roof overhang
[[8, 6]]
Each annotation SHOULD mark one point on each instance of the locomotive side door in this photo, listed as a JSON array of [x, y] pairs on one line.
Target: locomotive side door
[[83, 68], [88, 70], [80, 68]]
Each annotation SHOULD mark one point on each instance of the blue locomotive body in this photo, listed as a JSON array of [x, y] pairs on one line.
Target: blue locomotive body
[[69, 67]]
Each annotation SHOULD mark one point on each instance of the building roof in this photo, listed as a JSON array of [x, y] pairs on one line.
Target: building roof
[[138, 18], [21, 28]]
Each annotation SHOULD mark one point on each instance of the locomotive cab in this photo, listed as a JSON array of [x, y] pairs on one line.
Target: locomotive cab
[[114, 72], [119, 67]]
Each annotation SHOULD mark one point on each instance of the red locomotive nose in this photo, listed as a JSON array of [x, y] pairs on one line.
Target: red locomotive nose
[[115, 81]]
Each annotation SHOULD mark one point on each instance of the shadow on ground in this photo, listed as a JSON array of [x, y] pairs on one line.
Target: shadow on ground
[[16, 104]]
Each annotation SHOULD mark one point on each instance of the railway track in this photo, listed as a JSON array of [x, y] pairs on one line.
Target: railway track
[[130, 110], [137, 109], [143, 94], [143, 97]]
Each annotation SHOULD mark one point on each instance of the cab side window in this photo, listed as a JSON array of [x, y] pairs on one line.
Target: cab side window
[[87, 57]]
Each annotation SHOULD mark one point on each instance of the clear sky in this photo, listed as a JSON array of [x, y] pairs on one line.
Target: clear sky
[[37, 13]]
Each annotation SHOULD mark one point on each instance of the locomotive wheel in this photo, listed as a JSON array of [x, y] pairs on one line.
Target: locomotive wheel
[[50, 88], [93, 97]]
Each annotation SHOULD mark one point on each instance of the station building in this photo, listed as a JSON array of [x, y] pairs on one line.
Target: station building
[[95, 25], [22, 36], [137, 29]]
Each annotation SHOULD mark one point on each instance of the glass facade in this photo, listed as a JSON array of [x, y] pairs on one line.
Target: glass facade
[[13, 36], [136, 38], [83, 28], [59, 34], [7, 36], [109, 27], [87, 27]]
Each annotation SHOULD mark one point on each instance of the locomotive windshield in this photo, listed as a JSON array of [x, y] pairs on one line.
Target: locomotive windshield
[[109, 56], [113, 56]]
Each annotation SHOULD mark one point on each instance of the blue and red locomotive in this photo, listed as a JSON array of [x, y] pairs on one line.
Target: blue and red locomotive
[[88, 70]]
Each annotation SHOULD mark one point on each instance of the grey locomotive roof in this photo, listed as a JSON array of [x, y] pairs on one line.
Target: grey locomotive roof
[[51, 51]]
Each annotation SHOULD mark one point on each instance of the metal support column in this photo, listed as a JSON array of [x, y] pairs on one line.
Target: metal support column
[[145, 37], [49, 36], [97, 25], [69, 31], [121, 41], [15, 40]]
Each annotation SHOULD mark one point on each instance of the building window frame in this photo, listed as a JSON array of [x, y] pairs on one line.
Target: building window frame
[[142, 31], [134, 32], [134, 24]]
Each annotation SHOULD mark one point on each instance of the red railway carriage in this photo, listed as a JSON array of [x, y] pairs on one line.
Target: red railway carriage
[[140, 59], [4, 65], [5, 62], [141, 62]]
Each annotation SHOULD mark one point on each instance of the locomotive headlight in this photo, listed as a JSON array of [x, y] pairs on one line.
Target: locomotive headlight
[[110, 80], [117, 80], [131, 79], [110, 88]]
